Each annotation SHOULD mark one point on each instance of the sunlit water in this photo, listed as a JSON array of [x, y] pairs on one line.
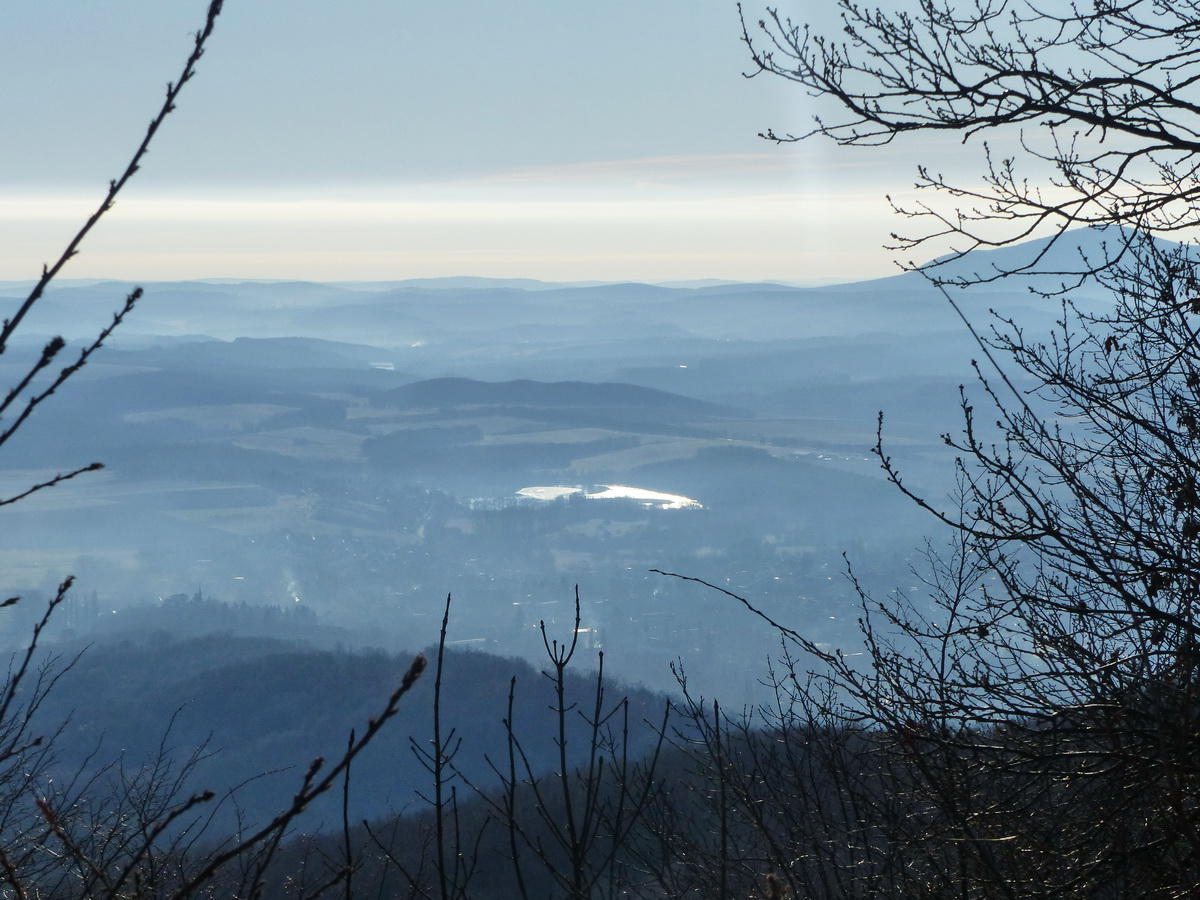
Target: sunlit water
[[613, 492]]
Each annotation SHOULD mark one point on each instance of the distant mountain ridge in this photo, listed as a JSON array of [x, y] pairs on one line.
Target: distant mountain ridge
[[470, 322], [450, 392]]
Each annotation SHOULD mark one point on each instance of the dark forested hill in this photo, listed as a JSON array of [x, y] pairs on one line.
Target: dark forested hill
[[264, 708]]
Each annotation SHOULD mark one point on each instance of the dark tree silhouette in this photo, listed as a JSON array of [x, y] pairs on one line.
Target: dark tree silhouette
[[118, 833], [1098, 100], [1030, 727]]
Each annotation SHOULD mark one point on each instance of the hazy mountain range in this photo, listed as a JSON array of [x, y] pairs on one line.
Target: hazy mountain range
[[359, 447], [301, 469]]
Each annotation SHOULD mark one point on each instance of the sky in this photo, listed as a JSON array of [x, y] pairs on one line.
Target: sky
[[391, 139]]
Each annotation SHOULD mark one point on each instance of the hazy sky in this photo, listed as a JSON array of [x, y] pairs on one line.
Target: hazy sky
[[385, 139]]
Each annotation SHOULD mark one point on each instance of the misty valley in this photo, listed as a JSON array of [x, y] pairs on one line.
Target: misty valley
[[301, 480], [257, 454]]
